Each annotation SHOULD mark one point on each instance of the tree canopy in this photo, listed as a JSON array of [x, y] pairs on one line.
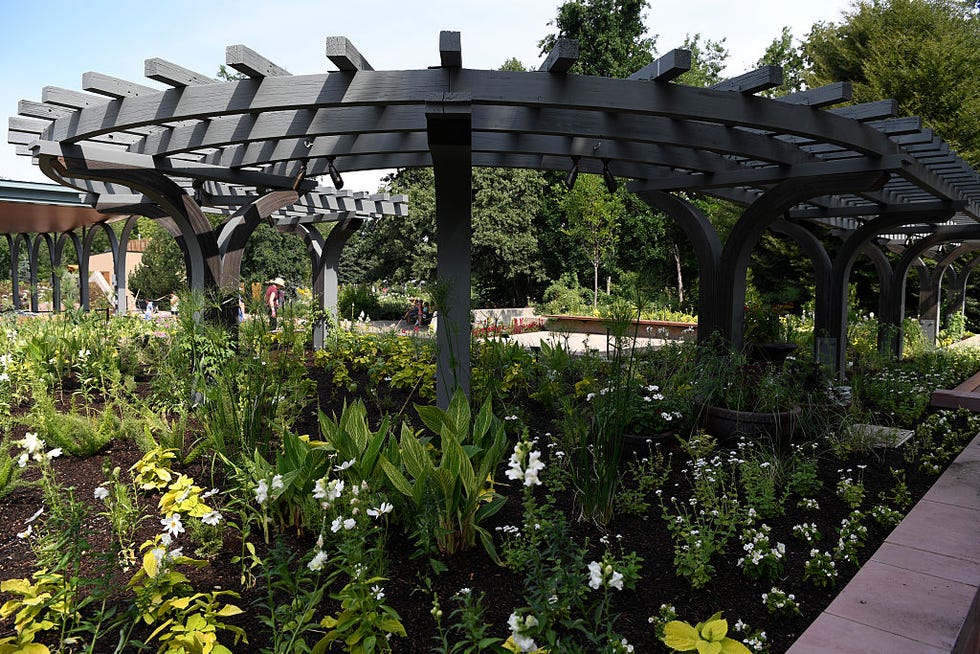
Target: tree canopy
[[923, 53]]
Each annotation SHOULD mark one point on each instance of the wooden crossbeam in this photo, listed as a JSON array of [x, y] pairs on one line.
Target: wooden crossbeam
[[113, 87], [822, 96], [26, 124], [342, 53], [249, 62], [868, 110], [561, 58], [450, 50], [41, 110], [899, 128], [72, 99], [767, 77], [172, 74], [671, 65]]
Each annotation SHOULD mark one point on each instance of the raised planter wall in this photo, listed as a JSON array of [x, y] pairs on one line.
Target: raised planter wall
[[920, 592], [645, 328]]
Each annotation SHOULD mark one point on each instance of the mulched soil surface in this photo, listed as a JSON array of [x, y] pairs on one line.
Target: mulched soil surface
[[729, 591]]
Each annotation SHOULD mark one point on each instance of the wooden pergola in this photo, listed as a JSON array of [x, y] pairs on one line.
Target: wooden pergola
[[798, 167]]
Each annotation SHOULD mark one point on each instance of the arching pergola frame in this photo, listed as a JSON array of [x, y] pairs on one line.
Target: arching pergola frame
[[856, 169]]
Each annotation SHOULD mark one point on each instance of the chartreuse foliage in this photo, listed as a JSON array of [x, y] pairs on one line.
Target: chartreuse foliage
[[448, 480], [708, 637]]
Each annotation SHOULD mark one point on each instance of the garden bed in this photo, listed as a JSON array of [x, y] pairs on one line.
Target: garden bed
[[822, 484]]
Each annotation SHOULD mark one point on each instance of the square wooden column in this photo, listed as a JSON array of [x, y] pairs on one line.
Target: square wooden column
[[450, 142]]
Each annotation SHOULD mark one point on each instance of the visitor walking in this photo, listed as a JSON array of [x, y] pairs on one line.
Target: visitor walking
[[272, 301]]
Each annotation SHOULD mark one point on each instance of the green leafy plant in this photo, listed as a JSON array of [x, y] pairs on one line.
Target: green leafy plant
[[452, 477]]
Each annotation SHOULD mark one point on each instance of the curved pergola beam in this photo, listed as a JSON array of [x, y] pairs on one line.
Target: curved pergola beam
[[83, 260]]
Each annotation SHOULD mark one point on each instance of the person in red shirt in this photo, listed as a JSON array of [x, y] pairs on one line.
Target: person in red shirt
[[272, 293]]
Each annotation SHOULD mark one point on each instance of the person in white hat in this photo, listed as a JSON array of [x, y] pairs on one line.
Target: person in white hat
[[272, 300]]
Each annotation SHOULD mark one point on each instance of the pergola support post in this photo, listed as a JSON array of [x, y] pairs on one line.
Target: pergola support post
[[707, 247], [450, 142], [326, 279], [929, 292]]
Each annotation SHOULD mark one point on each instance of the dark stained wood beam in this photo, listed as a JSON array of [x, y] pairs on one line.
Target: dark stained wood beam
[[450, 50], [342, 53], [673, 64], [868, 110], [822, 96], [561, 58], [761, 79]]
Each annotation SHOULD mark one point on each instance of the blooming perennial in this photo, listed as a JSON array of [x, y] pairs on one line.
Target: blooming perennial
[[518, 631], [604, 575], [525, 464], [172, 524]]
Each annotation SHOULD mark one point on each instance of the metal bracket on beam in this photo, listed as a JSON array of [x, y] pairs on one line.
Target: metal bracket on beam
[[673, 64], [767, 77], [342, 53], [450, 50], [561, 58], [249, 62], [172, 74]]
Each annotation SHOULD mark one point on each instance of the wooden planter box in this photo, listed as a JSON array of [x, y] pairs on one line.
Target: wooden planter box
[[685, 331]]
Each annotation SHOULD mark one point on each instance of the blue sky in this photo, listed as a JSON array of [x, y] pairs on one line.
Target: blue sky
[[53, 43]]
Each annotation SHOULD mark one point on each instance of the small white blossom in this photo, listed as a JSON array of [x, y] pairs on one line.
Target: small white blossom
[[211, 518], [172, 524], [101, 492]]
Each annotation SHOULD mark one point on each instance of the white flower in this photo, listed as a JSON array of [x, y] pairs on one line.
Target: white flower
[[27, 532], [22, 460], [378, 591], [262, 491], [595, 574], [101, 493], [316, 564], [349, 524], [344, 465], [381, 510], [211, 492], [277, 482], [172, 524], [54, 454], [37, 514], [31, 443], [518, 627], [212, 518], [336, 524]]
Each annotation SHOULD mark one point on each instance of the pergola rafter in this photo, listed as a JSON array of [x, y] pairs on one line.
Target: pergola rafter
[[797, 157]]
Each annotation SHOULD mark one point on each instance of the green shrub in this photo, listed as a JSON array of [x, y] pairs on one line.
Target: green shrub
[[358, 299]]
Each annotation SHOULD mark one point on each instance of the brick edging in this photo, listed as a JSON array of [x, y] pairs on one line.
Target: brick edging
[[918, 594]]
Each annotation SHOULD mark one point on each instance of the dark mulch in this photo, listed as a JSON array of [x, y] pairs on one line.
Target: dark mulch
[[730, 591]]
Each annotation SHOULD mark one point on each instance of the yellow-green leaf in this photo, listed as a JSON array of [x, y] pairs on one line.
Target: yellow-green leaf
[[227, 610], [714, 630], [707, 647], [680, 636], [730, 646]]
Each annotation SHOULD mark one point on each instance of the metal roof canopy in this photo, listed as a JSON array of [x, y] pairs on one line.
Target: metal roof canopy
[[34, 207], [789, 157]]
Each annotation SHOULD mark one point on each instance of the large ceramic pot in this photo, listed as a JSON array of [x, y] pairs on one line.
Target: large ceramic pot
[[728, 425], [771, 352]]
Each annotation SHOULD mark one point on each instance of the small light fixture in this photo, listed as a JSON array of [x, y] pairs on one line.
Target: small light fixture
[[572, 173], [300, 175], [338, 181], [608, 178]]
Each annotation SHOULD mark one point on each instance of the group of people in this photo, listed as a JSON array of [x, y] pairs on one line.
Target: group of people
[[418, 314]]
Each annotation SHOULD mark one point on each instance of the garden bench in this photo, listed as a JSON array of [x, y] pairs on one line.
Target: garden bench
[[964, 396]]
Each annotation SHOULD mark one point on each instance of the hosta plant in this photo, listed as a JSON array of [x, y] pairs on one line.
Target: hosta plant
[[708, 637]]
